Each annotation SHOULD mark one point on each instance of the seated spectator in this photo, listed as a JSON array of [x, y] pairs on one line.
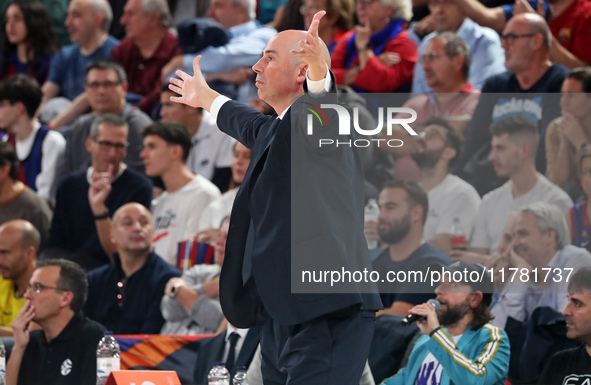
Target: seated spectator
[[446, 61], [19, 244], [404, 208], [64, 350], [211, 149], [17, 201], [148, 46], [568, 20], [29, 43], [573, 366], [540, 241], [568, 133], [530, 75], [219, 348], [357, 60], [106, 84], [220, 208], [337, 21], [484, 44], [88, 24], [191, 304], [177, 210], [232, 62], [458, 345], [450, 198], [578, 217], [38, 148], [514, 144], [124, 294], [81, 222]]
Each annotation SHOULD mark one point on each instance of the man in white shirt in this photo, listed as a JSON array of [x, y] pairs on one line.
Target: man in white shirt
[[437, 148], [514, 144], [37, 147], [178, 210]]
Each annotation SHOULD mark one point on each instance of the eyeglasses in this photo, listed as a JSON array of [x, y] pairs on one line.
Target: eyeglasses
[[107, 84], [510, 37], [430, 57], [310, 8], [105, 145], [367, 3], [432, 134], [38, 287]]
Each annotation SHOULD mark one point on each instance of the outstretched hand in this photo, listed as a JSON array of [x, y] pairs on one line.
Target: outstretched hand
[[313, 51], [193, 90]]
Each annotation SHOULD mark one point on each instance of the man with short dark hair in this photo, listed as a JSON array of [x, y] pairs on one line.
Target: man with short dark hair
[[514, 146], [19, 201], [437, 148], [19, 244], [106, 86], [64, 350], [404, 208], [211, 149], [458, 345], [124, 295], [86, 199], [177, 211], [38, 148], [573, 366]]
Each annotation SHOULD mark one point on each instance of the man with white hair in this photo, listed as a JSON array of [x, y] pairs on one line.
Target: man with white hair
[[231, 62], [147, 48], [544, 257], [88, 24]]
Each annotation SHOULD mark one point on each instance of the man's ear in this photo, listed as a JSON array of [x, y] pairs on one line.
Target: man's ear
[[88, 144], [475, 299], [301, 75], [66, 299]]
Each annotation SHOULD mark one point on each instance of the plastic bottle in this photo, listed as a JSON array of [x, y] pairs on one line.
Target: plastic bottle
[[108, 358], [371, 213], [218, 375], [240, 376], [458, 237], [2, 363]]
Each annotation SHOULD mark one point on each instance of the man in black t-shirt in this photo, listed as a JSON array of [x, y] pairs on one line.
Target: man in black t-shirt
[[63, 352], [403, 212], [573, 366]]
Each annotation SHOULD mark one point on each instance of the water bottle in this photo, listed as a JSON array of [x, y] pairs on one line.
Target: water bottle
[[371, 213], [218, 375], [458, 237], [2, 363], [240, 376], [108, 356]]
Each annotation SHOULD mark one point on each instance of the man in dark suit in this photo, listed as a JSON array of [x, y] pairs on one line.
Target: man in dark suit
[[219, 349], [296, 201]]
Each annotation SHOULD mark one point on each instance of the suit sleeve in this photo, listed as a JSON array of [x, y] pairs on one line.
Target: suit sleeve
[[241, 122], [490, 367]]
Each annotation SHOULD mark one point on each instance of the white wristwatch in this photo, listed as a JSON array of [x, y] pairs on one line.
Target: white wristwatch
[[175, 288]]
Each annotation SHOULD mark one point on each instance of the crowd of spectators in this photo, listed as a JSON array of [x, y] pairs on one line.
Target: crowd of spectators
[[99, 167]]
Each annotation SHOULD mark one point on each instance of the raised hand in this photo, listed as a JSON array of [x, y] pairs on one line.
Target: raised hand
[[20, 325], [430, 322], [99, 190], [193, 90], [313, 51], [362, 35]]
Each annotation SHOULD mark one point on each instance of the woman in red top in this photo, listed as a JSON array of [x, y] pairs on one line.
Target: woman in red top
[[363, 57]]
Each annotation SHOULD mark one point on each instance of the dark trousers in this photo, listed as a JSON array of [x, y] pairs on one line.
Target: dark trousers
[[328, 350]]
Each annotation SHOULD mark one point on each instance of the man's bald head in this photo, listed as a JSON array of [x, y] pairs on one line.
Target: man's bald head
[[128, 207], [23, 230], [536, 24]]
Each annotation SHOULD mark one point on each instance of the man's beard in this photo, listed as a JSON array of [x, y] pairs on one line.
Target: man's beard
[[427, 159], [397, 232], [453, 314]]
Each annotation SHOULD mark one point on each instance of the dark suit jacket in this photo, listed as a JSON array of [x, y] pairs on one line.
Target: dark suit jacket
[[212, 351], [308, 202]]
